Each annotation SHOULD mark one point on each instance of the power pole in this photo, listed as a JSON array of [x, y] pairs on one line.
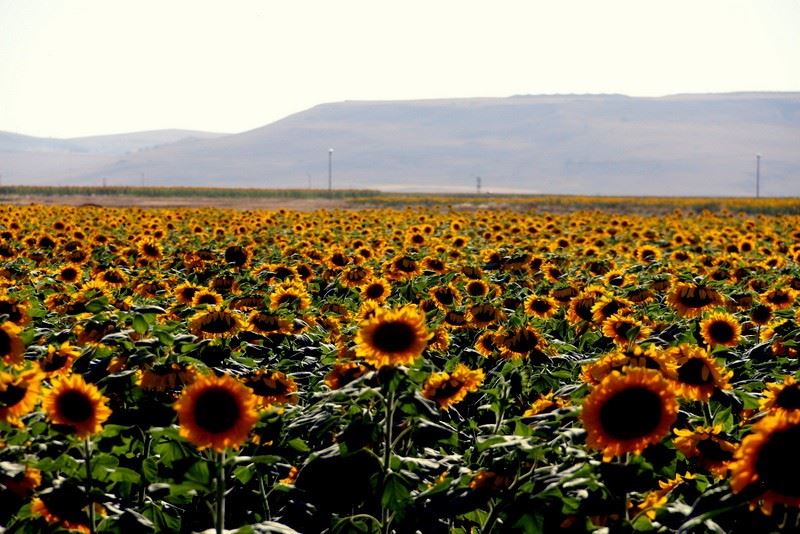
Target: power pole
[[758, 175], [478, 183]]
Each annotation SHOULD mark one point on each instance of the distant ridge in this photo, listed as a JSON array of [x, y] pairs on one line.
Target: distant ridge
[[703, 144]]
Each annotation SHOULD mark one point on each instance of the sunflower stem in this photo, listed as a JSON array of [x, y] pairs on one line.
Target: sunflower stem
[[707, 413], [387, 453], [88, 462], [145, 456], [220, 519]]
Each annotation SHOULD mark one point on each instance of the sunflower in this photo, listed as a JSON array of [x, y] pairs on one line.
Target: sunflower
[[544, 404], [766, 463], [580, 307], [292, 295], [17, 312], [185, 293], [445, 296], [761, 314], [271, 387], [690, 300], [23, 484], [237, 255], [268, 323], [74, 403], [204, 297], [606, 306], [521, 342], [782, 397], [355, 276], [216, 412], [150, 249], [706, 446], [343, 373], [392, 337], [634, 356], [58, 361], [215, 322], [65, 507], [11, 345], [720, 329], [448, 389], [402, 267], [376, 289], [486, 345], [627, 412], [483, 315], [625, 329], [439, 340], [698, 375], [476, 288], [781, 298], [164, 377], [18, 395], [542, 307]]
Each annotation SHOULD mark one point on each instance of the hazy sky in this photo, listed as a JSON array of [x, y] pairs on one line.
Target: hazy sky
[[82, 67]]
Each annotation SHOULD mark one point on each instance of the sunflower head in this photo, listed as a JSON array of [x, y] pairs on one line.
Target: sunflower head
[[782, 397], [707, 446], [215, 322], [690, 300], [448, 389], [767, 463], [271, 387], [392, 337], [19, 393], [697, 373], [627, 412], [74, 403], [11, 345], [58, 360], [720, 329], [216, 412]]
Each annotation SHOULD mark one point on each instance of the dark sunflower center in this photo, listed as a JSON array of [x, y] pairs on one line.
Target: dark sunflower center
[[778, 465], [789, 397], [151, 251], [522, 341], [113, 277], [207, 298], [721, 332], [268, 387], [445, 297], [266, 322], [217, 324], [12, 395], [484, 314], [288, 298], [540, 306], [455, 318], [393, 337], [216, 410], [374, 291], [711, 451], [187, 293], [74, 406], [475, 289], [696, 298], [406, 265], [339, 260], [236, 255], [779, 297], [695, 372], [616, 280], [5, 343], [54, 362], [583, 309], [448, 389], [761, 314], [622, 328], [631, 413]]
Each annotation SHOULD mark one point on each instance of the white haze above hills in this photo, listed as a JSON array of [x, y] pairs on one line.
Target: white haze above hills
[[577, 144]]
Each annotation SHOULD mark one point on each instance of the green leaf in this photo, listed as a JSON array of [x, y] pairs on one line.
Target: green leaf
[[140, 325], [123, 474], [395, 492], [299, 445]]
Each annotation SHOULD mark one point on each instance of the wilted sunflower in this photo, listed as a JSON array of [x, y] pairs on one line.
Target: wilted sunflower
[[216, 412], [690, 300], [439, 340], [19, 393], [267, 323], [271, 387], [720, 329], [215, 322], [627, 412], [74, 403], [625, 329], [767, 464], [706, 446], [58, 361], [392, 337], [782, 397], [541, 306], [697, 373], [11, 345], [448, 389]]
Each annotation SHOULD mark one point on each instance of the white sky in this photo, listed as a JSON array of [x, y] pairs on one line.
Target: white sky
[[83, 67]]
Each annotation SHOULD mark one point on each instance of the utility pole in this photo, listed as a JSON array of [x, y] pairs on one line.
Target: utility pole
[[330, 171], [478, 181], [141, 174], [758, 175]]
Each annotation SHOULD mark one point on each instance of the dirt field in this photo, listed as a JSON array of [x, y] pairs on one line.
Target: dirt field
[[125, 201]]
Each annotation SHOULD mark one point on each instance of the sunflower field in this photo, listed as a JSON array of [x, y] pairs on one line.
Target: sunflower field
[[398, 370]]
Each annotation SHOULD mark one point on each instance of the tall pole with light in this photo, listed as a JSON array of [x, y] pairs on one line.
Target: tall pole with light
[[330, 171], [758, 175]]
